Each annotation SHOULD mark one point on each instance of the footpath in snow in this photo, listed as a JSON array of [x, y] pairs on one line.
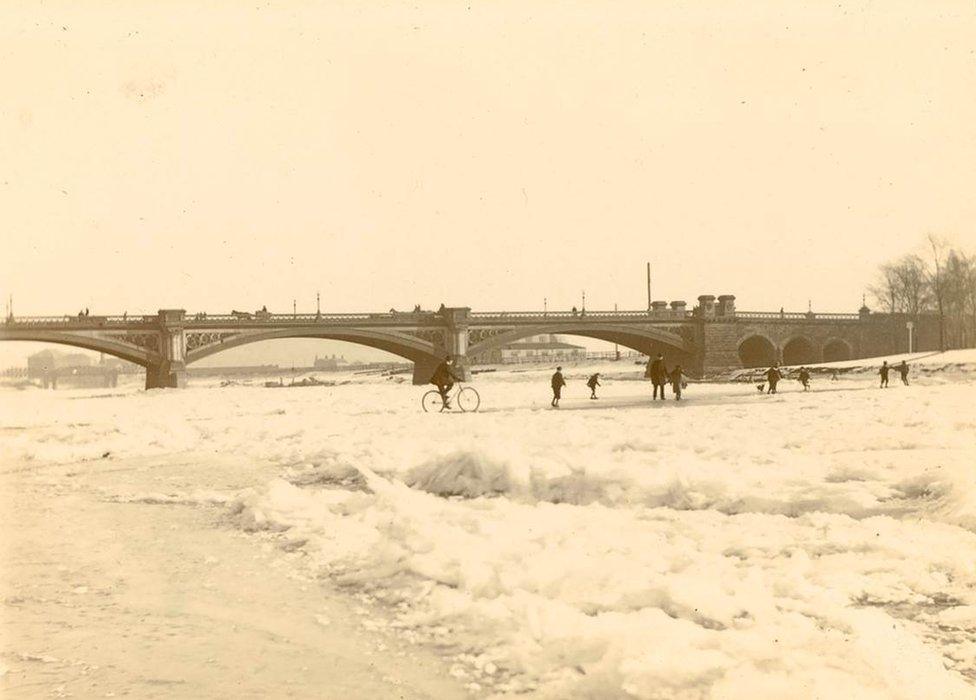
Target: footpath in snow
[[122, 577]]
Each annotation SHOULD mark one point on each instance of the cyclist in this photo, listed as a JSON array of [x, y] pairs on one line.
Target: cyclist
[[444, 378]]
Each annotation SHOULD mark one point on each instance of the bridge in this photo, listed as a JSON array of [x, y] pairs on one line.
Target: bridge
[[708, 338]]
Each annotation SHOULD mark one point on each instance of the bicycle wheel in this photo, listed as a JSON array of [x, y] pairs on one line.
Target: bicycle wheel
[[432, 402], [468, 399]]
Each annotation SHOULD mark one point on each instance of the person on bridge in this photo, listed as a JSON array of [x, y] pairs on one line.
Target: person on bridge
[[658, 374], [884, 374], [558, 382], [804, 378], [593, 382], [444, 378], [676, 379], [773, 375], [903, 371]]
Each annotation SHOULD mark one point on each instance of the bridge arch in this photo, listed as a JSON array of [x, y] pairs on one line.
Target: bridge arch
[[407, 347], [799, 350], [123, 351], [642, 340], [757, 350], [837, 350]]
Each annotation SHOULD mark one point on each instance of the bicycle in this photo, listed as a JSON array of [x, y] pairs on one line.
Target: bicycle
[[466, 398]]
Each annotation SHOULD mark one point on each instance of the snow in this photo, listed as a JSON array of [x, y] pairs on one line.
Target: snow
[[947, 358], [807, 544]]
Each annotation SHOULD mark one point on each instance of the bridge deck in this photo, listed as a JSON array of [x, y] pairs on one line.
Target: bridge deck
[[397, 318]]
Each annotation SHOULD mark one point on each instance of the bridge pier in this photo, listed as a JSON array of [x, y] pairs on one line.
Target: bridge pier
[[165, 376], [170, 373], [454, 344]]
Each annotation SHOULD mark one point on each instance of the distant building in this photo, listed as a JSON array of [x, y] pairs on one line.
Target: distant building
[[539, 348], [41, 364], [330, 364], [71, 369]]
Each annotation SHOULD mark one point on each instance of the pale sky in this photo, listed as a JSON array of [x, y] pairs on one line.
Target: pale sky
[[212, 155]]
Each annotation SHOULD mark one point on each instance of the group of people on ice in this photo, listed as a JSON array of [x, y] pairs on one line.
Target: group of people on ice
[[774, 374], [444, 379], [902, 370], [660, 377], [656, 371]]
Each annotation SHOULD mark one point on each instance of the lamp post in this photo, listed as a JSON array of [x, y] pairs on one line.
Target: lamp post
[[616, 350], [648, 287], [909, 325]]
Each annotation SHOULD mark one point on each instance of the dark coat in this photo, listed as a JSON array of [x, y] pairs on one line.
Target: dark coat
[[658, 371], [773, 375], [443, 375], [557, 380]]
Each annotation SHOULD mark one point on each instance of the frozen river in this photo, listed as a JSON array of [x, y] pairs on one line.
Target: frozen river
[[337, 542]]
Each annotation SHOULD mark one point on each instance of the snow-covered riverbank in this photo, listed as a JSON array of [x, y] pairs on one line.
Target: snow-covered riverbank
[[735, 544]]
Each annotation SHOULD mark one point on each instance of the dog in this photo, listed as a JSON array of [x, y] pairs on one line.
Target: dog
[[761, 387]]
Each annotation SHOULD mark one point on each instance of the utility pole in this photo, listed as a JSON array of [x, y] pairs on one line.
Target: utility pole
[[648, 287], [545, 306], [584, 301], [318, 306], [294, 307]]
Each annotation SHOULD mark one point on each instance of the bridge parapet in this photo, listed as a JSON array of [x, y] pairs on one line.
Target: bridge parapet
[[795, 316], [533, 316], [81, 322]]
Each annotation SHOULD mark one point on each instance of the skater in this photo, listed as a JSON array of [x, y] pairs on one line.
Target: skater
[[804, 378], [903, 371], [557, 387], [676, 380], [593, 382], [772, 377], [658, 374], [444, 378], [884, 374]]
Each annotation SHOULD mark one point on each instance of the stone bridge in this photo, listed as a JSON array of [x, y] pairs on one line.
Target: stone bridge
[[710, 337]]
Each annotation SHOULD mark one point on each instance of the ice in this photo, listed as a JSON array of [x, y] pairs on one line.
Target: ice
[[818, 544]]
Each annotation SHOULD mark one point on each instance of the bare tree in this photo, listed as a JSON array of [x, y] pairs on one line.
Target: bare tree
[[885, 291], [913, 291], [937, 283], [969, 291], [945, 285]]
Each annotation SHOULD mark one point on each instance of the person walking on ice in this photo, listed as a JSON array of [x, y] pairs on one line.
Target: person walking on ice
[[903, 371], [658, 374], [884, 374], [676, 380], [772, 378], [804, 378], [558, 382], [593, 382]]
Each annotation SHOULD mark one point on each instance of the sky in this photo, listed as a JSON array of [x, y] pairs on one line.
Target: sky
[[226, 155]]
